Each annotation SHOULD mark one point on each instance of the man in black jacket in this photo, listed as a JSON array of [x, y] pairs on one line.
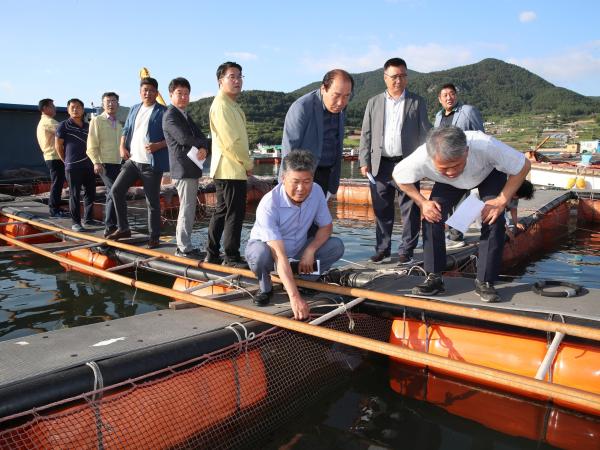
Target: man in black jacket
[[188, 147]]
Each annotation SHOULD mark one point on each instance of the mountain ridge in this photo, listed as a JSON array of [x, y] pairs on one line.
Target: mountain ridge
[[495, 87]]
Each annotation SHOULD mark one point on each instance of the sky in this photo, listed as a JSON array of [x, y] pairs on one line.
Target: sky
[[82, 48]]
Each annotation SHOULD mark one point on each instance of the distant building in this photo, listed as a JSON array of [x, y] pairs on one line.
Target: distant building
[[19, 148]]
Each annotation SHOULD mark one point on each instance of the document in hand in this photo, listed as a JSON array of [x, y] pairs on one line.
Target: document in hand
[[193, 155], [466, 213]]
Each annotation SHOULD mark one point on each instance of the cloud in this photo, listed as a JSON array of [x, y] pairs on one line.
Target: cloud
[[573, 65], [422, 58], [527, 16], [6, 87], [242, 56]]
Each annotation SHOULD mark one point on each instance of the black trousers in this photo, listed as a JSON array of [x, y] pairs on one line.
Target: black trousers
[[228, 218], [491, 243], [78, 178], [57, 180], [383, 195], [130, 173], [321, 177]]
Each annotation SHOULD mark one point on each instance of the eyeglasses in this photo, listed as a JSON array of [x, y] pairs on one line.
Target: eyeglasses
[[234, 77], [400, 76], [114, 102]]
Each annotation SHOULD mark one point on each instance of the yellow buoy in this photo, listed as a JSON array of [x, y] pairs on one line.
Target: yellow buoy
[[570, 182], [580, 183]]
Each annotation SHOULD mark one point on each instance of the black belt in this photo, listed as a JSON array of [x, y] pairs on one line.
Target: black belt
[[392, 159]]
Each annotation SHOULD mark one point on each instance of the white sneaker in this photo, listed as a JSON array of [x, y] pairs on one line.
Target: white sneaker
[[454, 244]]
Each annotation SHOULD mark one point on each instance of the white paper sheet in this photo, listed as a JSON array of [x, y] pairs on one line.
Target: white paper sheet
[[193, 155], [467, 212], [370, 177]]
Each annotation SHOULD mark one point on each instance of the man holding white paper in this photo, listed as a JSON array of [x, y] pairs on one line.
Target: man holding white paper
[[458, 161], [188, 148]]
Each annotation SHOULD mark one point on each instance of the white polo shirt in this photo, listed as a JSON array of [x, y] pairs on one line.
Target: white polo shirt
[[485, 154]]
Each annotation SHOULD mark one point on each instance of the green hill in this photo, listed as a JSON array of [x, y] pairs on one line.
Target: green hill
[[496, 88]]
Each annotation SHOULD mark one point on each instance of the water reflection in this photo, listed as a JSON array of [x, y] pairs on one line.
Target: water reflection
[[37, 295], [386, 405]]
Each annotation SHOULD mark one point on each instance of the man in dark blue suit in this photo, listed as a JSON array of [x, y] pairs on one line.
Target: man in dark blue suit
[[315, 122], [187, 147]]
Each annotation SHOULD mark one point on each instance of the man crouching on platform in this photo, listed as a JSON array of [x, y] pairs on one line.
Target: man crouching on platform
[[283, 218]]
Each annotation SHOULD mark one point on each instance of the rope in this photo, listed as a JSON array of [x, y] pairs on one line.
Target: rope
[[571, 289], [98, 385], [243, 343]]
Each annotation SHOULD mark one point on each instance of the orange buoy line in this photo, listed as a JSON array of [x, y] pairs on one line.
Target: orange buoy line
[[572, 397], [410, 302]]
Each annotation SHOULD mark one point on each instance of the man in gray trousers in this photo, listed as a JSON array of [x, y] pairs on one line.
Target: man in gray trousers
[[183, 136], [394, 125]]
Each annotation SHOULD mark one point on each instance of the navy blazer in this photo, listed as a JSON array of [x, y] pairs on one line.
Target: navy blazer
[[160, 158], [466, 117], [182, 134], [303, 130]]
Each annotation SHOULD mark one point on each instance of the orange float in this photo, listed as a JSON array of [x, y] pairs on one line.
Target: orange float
[[182, 284], [157, 414], [575, 365], [86, 256], [509, 415], [24, 229]]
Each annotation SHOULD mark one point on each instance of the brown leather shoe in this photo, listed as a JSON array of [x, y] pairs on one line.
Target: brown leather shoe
[[153, 243], [119, 234]]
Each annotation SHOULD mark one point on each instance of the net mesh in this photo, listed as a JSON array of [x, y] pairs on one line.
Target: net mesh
[[233, 398]]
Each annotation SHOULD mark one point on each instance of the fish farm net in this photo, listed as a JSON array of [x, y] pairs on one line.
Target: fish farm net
[[233, 398]]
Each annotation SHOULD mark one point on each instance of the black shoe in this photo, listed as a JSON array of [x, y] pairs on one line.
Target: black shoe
[[92, 223], [380, 257], [77, 228], [194, 253], [211, 259], [153, 243], [119, 234], [262, 298], [404, 260], [486, 292], [455, 235], [236, 262], [109, 231], [432, 285], [60, 214]]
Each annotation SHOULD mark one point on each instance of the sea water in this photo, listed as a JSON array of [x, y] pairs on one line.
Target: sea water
[[38, 295]]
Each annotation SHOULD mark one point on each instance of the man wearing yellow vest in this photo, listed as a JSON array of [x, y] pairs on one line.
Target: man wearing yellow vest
[[46, 131], [230, 167]]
